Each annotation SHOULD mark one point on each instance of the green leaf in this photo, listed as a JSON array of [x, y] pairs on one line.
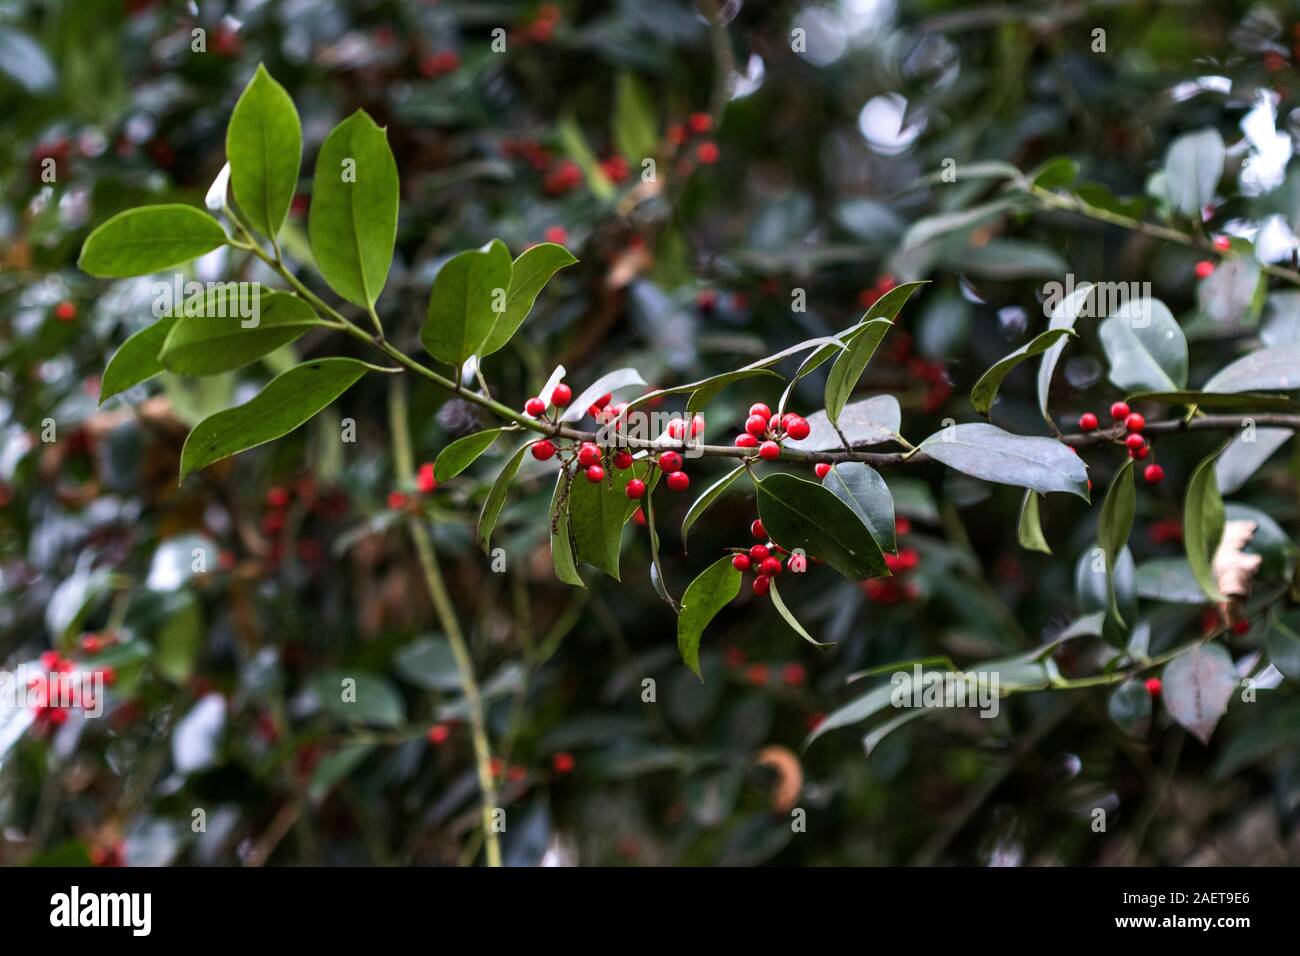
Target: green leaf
[[288, 400], [428, 662], [1243, 458], [934, 227], [1193, 167], [1196, 688], [636, 121], [562, 556], [462, 453], [802, 514], [469, 295], [529, 275], [850, 365], [1276, 367], [599, 510], [352, 223], [496, 499], [1284, 645], [1216, 401], [710, 495], [1203, 524], [334, 767], [1115, 526], [868, 421], [1146, 347], [359, 698], [860, 487], [708, 594], [209, 336], [1170, 580], [986, 389], [1066, 310], [577, 149], [1056, 173], [858, 710], [264, 146], [149, 239], [987, 452], [179, 641], [607, 384], [136, 360], [790, 619], [1029, 530], [1130, 708]]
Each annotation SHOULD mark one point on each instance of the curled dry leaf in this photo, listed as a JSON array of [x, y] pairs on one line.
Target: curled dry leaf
[[1232, 566], [789, 773]]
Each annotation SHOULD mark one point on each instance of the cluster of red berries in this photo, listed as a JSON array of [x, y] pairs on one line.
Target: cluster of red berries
[[438, 64], [540, 29], [765, 431], [869, 296], [896, 589], [94, 643], [1205, 268], [766, 560], [697, 124], [938, 386], [793, 674], [1130, 423], [54, 696]]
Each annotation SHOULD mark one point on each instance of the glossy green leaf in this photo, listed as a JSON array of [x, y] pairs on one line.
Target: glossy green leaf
[[716, 586], [775, 595], [860, 487], [1203, 524], [1273, 368], [1242, 458], [359, 698], [528, 276], [210, 335], [136, 360], [1116, 524], [636, 121], [264, 146], [287, 401], [1220, 401], [352, 223], [710, 495], [1196, 688], [469, 295], [607, 384], [597, 513], [1170, 580], [868, 421], [1193, 167], [1029, 529], [1284, 645], [987, 452], [1146, 347], [1130, 708], [859, 709], [496, 498], [462, 453], [563, 558], [1066, 306], [850, 365], [149, 239], [802, 514], [986, 389]]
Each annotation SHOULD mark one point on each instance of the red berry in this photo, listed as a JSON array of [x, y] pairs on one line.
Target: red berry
[[556, 234], [601, 402], [757, 530], [1204, 269], [1119, 411], [1154, 474], [561, 395], [534, 407], [676, 134], [761, 410], [438, 734], [639, 516], [1134, 442], [678, 481], [822, 469], [65, 311], [562, 762], [277, 497], [595, 474], [1088, 422], [700, 122], [697, 426], [396, 500], [746, 441], [425, 481], [769, 451], [543, 449], [759, 553], [670, 462], [740, 562], [756, 425], [762, 584], [1241, 627], [588, 454], [677, 428], [1222, 243], [793, 675], [770, 567], [707, 153], [1135, 422], [797, 428], [1153, 686], [635, 488], [623, 460]]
